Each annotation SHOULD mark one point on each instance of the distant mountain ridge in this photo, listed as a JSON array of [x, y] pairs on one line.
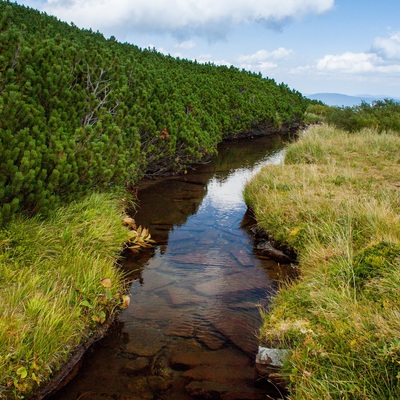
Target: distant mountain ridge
[[343, 100]]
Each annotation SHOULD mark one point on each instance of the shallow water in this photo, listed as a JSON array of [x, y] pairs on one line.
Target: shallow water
[[190, 330]]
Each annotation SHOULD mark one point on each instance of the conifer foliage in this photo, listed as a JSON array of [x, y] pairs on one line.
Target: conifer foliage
[[80, 113]]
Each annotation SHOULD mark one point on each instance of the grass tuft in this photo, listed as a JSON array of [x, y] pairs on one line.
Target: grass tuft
[[336, 202], [52, 288]]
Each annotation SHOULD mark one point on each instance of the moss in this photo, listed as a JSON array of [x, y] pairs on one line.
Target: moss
[[376, 259]]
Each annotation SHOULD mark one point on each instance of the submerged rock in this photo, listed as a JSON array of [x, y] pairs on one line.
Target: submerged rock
[[134, 367], [145, 342], [266, 248], [216, 390], [234, 326], [190, 359], [223, 374], [183, 328], [211, 338]]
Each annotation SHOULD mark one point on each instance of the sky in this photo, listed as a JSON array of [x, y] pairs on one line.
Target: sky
[[314, 46]]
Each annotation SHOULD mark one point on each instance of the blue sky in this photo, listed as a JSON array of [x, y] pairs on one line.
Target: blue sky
[[342, 46]]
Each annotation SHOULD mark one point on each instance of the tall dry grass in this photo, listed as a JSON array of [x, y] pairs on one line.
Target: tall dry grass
[[58, 284], [336, 202]]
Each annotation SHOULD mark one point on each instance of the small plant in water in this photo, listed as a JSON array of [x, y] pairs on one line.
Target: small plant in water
[[139, 237]]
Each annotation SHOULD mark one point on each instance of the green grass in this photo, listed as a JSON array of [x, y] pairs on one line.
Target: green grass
[[336, 202], [58, 284]]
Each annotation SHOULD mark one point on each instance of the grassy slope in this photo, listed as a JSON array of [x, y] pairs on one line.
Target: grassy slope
[[337, 203], [58, 283]]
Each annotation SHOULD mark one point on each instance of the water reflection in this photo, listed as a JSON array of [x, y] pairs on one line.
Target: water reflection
[[223, 193], [190, 331]]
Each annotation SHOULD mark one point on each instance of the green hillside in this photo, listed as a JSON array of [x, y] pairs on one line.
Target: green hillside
[[79, 112]]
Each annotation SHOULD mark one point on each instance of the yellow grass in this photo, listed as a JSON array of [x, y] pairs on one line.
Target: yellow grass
[[53, 294], [336, 202]]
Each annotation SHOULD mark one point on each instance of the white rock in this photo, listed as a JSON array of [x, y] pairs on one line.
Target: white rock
[[272, 357]]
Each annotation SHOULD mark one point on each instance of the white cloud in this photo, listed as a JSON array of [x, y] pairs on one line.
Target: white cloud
[[265, 55], [356, 63], [388, 48], [383, 58], [263, 60], [186, 45], [263, 67], [348, 62], [184, 18], [204, 57]]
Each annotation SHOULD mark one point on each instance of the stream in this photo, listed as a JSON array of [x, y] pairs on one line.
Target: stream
[[190, 331]]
